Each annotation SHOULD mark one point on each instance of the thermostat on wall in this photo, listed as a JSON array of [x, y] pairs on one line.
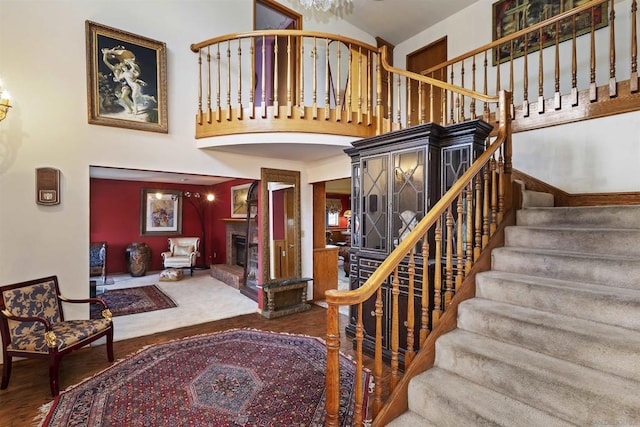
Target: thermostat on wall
[[47, 186]]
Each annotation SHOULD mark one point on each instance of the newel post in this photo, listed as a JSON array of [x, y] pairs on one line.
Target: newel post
[[382, 53], [505, 123], [333, 368]]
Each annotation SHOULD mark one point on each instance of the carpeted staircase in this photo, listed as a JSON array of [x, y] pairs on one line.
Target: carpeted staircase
[[553, 335]]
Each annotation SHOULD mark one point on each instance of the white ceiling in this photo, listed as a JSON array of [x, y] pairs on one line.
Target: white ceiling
[[154, 176], [398, 20]]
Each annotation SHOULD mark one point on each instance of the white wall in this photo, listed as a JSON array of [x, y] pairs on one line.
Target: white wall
[[591, 156]]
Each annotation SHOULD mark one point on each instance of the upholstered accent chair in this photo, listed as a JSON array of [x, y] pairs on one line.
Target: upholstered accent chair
[[182, 253], [98, 260], [32, 325]]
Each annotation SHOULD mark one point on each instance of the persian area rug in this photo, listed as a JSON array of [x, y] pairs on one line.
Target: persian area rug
[[134, 300], [239, 377]]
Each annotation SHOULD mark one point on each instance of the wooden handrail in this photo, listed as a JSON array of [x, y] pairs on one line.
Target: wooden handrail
[[517, 34], [195, 47]]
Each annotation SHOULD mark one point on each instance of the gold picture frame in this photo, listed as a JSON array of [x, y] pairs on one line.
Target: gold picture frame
[[511, 16], [126, 79]]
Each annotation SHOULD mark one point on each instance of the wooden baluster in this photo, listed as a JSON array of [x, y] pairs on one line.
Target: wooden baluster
[[327, 109], [229, 109], [411, 270], [633, 81], [409, 112], [357, 411], [593, 89], [301, 64], [276, 78], [369, 94], [486, 88], [469, 230], [459, 244], [540, 75], [252, 89], [423, 109], [218, 105], [443, 97], [398, 112], [498, 77], [494, 197], [432, 89], [289, 79], [264, 78], [389, 99], [339, 86], [452, 103], [209, 110], [574, 64], [500, 186], [359, 111], [395, 329], [240, 108], [525, 80], [485, 205], [314, 55], [477, 249], [512, 108], [461, 114], [448, 290], [350, 87], [377, 356], [333, 367], [437, 277], [472, 106], [613, 86], [424, 303], [200, 87], [557, 103], [457, 109]]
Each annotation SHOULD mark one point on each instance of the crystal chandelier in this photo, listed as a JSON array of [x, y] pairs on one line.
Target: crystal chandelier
[[324, 5]]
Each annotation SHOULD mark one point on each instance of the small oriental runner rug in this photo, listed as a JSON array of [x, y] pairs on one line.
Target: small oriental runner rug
[[132, 300], [239, 377]]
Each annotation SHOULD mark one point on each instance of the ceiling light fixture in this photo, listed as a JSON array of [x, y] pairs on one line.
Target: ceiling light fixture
[[5, 98], [324, 5]]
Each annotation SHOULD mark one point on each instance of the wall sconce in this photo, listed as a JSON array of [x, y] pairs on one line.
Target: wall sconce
[[5, 99]]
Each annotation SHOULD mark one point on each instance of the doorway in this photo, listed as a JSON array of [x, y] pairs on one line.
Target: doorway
[[273, 78], [417, 62]]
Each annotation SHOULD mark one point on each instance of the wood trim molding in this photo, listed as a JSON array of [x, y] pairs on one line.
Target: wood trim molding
[[562, 198]]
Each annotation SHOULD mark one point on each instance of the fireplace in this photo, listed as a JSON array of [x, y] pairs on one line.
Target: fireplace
[[238, 249]]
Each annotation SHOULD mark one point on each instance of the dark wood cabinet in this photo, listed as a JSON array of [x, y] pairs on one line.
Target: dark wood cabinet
[[396, 178]]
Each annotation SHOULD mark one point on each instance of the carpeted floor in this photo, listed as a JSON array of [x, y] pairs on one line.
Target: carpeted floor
[[239, 377], [140, 299]]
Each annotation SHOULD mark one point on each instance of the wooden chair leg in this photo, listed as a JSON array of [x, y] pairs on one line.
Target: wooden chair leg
[[110, 345], [6, 369], [54, 364]]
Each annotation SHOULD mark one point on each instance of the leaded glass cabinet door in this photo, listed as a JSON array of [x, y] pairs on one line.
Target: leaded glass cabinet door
[[374, 223], [408, 192]]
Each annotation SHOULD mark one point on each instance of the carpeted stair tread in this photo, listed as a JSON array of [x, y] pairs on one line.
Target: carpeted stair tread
[[446, 399], [553, 295], [607, 216], [618, 241], [411, 419], [621, 271], [578, 341], [572, 392]]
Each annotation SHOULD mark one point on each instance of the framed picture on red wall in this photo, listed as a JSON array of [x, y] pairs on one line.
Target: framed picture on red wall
[[161, 212], [239, 200]]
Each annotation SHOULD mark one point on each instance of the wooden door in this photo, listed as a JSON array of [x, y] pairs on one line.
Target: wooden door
[[417, 62]]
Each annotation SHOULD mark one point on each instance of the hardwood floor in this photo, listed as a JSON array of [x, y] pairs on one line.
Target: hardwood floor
[[29, 385]]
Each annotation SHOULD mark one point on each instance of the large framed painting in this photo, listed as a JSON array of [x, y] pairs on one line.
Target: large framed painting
[[160, 212], [511, 16], [126, 79], [239, 200]]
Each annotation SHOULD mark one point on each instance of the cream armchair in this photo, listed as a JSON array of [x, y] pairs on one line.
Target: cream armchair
[[182, 253]]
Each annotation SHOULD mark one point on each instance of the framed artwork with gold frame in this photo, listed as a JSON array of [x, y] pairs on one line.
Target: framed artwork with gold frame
[[126, 79]]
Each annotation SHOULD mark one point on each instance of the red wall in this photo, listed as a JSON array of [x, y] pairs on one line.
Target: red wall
[[115, 218]]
